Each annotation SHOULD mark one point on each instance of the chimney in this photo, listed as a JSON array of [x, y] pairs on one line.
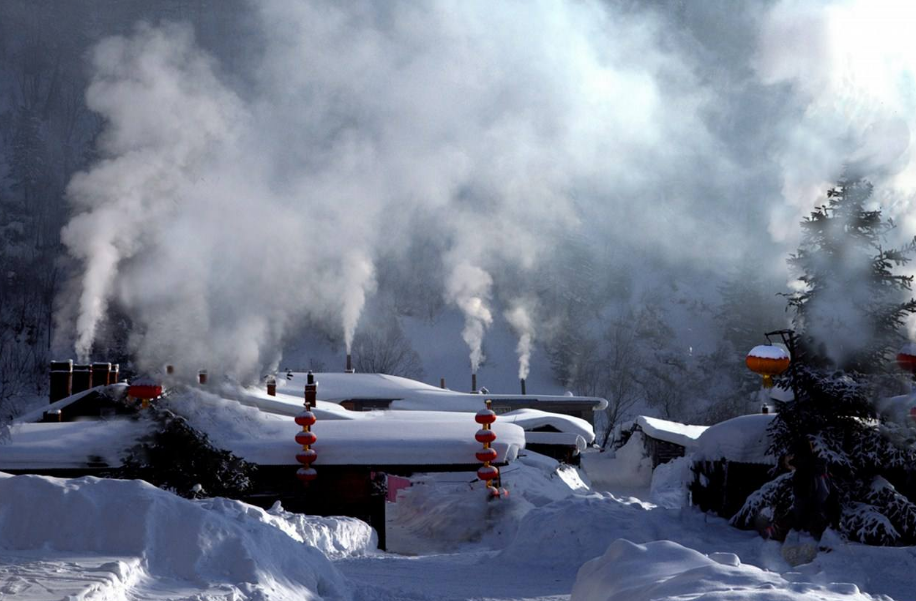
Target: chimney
[[61, 380], [113, 373], [523, 386], [474, 382], [311, 392], [271, 386], [82, 378], [202, 376], [764, 409], [350, 364], [442, 383], [169, 370], [100, 373]]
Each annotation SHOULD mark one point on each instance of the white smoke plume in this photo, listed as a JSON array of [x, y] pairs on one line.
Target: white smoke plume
[[469, 287], [229, 207], [519, 317]]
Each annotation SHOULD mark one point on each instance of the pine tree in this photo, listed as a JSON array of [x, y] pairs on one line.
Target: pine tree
[[834, 373]]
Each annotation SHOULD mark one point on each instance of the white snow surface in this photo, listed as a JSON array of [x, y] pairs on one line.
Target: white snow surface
[[768, 351], [137, 541], [742, 439], [667, 571], [377, 438], [70, 444], [673, 432]]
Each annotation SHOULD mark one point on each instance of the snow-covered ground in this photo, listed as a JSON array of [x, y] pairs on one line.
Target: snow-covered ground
[[614, 529]]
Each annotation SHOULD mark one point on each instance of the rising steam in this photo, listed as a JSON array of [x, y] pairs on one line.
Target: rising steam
[[228, 208], [519, 317], [469, 288]]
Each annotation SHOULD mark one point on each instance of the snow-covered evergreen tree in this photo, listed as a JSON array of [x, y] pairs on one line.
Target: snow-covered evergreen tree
[[848, 318]]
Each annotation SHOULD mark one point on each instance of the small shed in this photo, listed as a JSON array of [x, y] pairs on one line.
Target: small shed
[[731, 462], [666, 440]]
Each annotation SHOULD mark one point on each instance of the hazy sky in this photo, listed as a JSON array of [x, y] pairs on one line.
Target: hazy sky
[[696, 134]]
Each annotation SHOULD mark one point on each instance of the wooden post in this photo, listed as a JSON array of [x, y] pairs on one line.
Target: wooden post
[[114, 373]]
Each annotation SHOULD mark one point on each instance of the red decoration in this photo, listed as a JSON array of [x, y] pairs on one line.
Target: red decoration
[[307, 457], [906, 359], [306, 418], [487, 472], [913, 413], [488, 454], [485, 436], [306, 438], [144, 391], [306, 474], [485, 416]]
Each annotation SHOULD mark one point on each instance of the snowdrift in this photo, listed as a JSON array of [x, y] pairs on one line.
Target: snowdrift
[[223, 546], [666, 571]]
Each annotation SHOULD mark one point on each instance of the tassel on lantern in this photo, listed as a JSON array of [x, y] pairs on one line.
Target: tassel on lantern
[[307, 456], [487, 472]]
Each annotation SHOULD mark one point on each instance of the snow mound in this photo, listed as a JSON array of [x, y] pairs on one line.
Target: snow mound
[[629, 468], [446, 512], [336, 537], [669, 483], [666, 571], [176, 539]]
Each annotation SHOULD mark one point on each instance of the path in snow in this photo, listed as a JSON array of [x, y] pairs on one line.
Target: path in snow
[[454, 577]]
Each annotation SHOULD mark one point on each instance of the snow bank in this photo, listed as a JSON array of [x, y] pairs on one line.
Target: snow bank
[[666, 571], [743, 439], [629, 468], [669, 483], [673, 432], [336, 537], [446, 512], [177, 540]]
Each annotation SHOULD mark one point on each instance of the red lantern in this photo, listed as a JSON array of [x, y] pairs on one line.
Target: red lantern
[[306, 418], [485, 436], [906, 358], [306, 474], [768, 361], [488, 454], [306, 438], [144, 391], [307, 457], [487, 473], [485, 416], [913, 413]]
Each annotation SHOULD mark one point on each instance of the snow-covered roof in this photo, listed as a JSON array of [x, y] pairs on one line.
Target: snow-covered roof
[[38, 414], [410, 394], [668, 431], [743, 439], [70, 444], [371, 438], [528, 419]]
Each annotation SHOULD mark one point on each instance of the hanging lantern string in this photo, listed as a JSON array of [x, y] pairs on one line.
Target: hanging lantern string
[[306, 437], [488, 473]]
